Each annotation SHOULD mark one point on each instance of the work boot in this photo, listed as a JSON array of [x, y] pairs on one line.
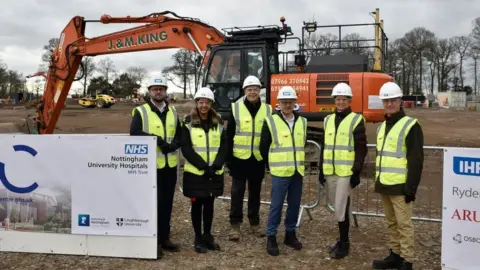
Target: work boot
[[210, 242], [341, 250], [257, 231], [234, 234], [272, 247], [169, 246], [393, 260], [200, 246], [406, 265], [292, 241]]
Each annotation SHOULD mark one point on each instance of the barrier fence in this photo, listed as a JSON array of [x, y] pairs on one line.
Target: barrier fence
[[311, 188], [364, 201], [428, 202]]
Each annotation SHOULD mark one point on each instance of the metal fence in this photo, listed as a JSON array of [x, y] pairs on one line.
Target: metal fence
[[428, 202], [311, 188], [364, 200]]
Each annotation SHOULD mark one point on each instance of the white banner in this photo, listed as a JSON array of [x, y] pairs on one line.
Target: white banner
[[461, 209], [79, 184]]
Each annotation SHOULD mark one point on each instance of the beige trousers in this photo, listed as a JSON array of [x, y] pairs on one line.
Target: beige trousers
[[339, 191], [400, 225]]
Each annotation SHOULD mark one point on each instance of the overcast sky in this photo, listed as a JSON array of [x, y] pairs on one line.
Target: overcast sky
[[26, 25]]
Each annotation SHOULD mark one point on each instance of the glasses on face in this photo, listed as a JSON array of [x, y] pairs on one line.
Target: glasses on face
[[287, 102], [252, 90], [203, 103], [156, 89]]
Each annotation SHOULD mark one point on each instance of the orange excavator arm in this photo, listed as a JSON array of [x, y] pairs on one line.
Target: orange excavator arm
[[158, 32], [40, 73]]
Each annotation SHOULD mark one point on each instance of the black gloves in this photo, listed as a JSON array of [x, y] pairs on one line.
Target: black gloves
[[409, 198], [321, 178], [355, 180]]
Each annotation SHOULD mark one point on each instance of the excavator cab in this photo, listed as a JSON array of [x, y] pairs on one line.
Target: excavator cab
[[245, 52]]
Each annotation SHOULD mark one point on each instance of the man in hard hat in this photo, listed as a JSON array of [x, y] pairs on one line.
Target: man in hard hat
[[157, 118], [284, 135], [204, 146], [244, 158], [344, 149], [399, 165]]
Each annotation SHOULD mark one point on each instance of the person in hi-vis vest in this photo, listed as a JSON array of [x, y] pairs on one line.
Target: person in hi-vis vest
[[344, 148], [204, 146], [244, 159], [157, 118], [399, 166], [282, 145]]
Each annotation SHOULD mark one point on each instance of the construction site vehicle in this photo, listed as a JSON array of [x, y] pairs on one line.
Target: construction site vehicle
[[99, 101], [227, 59]]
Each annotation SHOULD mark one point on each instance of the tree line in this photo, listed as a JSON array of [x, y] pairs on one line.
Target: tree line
[[420, 61], [11, 81]]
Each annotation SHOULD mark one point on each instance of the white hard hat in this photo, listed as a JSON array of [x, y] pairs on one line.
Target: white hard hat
[[251, 81], [158, 81], [342, 89], [390, 90], [287, 92], [204, 92]]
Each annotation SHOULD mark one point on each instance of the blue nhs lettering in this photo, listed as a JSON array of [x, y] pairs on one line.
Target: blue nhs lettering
[[138, 149], [466, 166]]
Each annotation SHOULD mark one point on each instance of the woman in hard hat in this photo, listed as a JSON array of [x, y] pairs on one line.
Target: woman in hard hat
[[344, 148], [204, 147]]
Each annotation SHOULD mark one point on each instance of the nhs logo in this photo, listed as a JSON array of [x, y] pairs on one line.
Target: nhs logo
[[136, 149], [466, 166]]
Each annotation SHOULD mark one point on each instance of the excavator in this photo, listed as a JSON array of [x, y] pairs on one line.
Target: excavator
[[226, 58]]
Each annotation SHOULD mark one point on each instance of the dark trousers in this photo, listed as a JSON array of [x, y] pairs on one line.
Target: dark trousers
[[202, 209], [166, 182], [238, 191]]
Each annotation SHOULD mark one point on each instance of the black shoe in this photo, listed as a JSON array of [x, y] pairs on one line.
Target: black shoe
[[332, 248], [292, 241], [272, 247], [169, 246], [406, 266], [210, 242], [159, 252], [200, 246], [393, 260], [341, 250]]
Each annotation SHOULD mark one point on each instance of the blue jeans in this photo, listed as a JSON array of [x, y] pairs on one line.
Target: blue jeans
[[280, 187]]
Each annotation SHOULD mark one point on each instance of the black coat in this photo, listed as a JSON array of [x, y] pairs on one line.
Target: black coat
[[415, 158], [256, 169], [195, 185]]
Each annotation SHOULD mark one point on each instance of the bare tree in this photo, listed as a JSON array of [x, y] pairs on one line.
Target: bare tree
[[106, 68], [474, 53], [137, 74], [443, 54], [89, 68], [461, 45]]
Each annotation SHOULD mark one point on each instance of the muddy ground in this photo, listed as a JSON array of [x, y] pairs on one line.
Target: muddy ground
[[441, 128]]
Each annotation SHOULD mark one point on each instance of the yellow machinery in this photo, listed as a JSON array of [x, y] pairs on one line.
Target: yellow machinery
[[100, 101]]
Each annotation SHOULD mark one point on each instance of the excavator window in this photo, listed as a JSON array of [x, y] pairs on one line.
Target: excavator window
[[255, 62]]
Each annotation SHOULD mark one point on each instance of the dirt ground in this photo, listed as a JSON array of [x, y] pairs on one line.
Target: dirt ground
[[441, 127]]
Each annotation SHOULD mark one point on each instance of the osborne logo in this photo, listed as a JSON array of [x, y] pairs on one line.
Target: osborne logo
[[138, 149]]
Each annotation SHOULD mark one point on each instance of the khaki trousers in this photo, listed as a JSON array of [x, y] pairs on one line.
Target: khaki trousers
[[400, 226], [339, 190]]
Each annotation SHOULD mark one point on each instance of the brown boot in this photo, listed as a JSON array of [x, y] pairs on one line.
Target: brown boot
[[257, 231], [234, 234]]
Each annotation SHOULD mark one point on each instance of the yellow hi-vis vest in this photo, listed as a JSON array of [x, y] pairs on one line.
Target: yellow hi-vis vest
[[152, 124], [287, 152], [338, 153], [248, 131], [206, 145], [391, 160]]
